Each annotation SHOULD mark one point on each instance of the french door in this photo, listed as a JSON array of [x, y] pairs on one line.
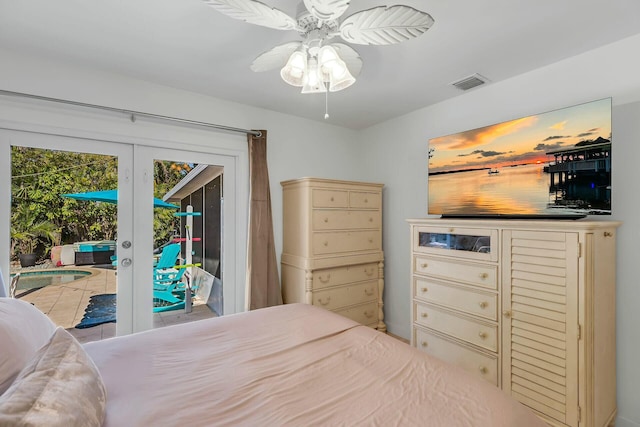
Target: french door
[[230, 220], [135, 165], [125, 310]]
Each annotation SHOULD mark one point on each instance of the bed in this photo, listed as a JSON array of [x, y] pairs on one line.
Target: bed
[[294, 365]]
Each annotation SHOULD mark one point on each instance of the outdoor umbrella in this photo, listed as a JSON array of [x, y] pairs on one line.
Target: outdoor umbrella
[[111, 196]]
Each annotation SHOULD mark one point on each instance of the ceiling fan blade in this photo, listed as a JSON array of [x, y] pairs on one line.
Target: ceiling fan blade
[[274, 58], [385, 25], [350, 57], [254, 12], [325, 10]]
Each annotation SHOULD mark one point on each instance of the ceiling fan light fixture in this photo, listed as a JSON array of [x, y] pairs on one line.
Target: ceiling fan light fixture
[[294, 70], [311, 64]]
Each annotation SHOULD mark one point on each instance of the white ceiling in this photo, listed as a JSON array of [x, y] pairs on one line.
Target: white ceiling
[[188, 45]]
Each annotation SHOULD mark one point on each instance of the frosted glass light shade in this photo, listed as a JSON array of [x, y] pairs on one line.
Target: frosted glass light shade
[[313, 78], [293, 72], [335, 68], [340, 77], [327, 56]]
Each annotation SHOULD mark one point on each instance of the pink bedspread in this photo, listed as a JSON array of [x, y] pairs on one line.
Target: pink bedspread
[[292, 365]]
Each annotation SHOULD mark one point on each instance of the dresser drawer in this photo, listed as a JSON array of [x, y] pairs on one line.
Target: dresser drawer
[[345, 220], [463, 328], [344, 296], [366, 314], [467, 358], [361, 199], [346, 241], [342, 275], [473, 302], [485, 276], [330, 198]]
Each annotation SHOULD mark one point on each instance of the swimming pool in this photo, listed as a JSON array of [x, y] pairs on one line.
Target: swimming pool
[[39, 279]]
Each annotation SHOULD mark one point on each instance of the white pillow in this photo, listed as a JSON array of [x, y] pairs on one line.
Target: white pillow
[[23, 330], [59, 387]]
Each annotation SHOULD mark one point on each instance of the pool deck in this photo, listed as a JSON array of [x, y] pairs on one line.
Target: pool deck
[[65, 304]]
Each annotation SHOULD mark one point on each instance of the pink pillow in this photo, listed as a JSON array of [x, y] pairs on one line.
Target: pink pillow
[[23, 330]]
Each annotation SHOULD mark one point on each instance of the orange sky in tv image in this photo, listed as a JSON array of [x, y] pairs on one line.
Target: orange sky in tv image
[[521, 141]]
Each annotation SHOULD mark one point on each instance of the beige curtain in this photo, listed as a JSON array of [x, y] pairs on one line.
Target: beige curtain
[[263, 283]]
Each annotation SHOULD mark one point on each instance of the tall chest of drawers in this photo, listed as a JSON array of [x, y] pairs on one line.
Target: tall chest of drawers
[[332, 247], [527, 305]]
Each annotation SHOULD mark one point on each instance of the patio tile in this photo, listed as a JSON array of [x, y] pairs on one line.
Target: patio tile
[[65, 305]]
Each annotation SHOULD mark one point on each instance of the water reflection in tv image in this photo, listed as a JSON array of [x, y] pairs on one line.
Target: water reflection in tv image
[[556, 163]]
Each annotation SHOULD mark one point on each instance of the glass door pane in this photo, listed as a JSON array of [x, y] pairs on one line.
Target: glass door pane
[[70, 204]]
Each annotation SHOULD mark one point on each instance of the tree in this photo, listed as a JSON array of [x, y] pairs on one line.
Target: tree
[[41, 215]]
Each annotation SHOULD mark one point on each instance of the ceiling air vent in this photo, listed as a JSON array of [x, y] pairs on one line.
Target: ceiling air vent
[[470, 82]]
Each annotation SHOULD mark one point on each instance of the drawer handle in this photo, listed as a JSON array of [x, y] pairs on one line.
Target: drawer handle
[[484, 304], [482, 335], [332, 199], [326, 243], [484, 275], [324, 302], [368, 313], [369, 271], [370, 219], [326, 220], [425, 315], [424, 344], [368, 292], [424, 289], [325, 280], [424, 265], [451, 230], [483, 370], [370, 240], [366, 200], [608, 234], [507, 313]]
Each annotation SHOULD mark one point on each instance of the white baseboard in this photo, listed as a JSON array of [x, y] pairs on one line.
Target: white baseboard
[[623, 422]]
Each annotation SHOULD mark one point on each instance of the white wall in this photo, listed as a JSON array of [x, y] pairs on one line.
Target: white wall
[[397, 157]]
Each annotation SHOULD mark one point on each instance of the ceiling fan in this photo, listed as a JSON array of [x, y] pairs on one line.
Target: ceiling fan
[[317, 60]]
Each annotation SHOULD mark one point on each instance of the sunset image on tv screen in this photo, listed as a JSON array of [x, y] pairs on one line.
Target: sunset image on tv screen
[[555, 163]]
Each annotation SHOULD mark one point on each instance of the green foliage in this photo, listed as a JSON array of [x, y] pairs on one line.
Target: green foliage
[[26, 233], [166, 176], [42, 218]]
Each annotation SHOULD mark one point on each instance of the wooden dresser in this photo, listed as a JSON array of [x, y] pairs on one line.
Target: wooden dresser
[[332, 247], [528, 305]]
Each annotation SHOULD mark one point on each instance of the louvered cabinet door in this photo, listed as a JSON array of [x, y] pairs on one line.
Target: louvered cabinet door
[[540, 322]]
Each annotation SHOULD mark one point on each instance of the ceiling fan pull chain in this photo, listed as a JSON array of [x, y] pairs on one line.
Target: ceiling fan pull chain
[[326, 104]]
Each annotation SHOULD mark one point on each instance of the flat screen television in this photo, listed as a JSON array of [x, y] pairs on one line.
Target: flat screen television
[[556, 165]]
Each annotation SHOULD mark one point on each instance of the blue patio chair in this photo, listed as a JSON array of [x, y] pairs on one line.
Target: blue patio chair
[[171, 294], [168, 257]]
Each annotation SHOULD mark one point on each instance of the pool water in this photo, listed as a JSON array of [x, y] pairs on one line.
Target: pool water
[[40, 279]]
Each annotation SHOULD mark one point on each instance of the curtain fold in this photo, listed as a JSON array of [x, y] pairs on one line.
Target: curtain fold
[[263, 282]]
